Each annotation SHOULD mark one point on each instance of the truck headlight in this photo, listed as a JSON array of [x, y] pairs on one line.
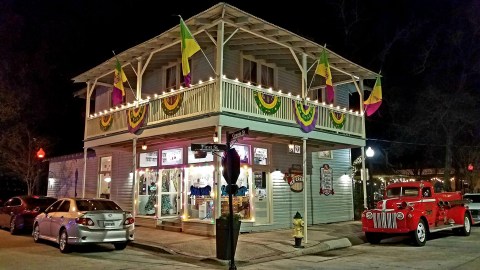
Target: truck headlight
[[400, 216], [369, 215]]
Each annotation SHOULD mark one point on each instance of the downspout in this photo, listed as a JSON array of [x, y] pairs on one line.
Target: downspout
[[364, 172], [219, 71], [304, 95], [134, 177]]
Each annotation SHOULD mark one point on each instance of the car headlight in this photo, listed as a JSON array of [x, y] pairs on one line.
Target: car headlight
[[400, 216], [369, 215]]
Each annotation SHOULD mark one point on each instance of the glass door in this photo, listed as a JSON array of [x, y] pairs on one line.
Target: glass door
[[171, 193], [261, 197]]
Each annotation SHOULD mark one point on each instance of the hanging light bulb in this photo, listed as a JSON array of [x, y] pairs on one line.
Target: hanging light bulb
[[144, 146]]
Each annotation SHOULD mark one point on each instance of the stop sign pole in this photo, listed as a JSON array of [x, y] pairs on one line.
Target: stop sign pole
[[231, 171]]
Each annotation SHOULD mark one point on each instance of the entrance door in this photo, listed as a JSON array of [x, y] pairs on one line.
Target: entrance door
[[261, 197], [171, 191]]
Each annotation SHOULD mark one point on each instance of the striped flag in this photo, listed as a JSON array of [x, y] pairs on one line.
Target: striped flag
[[189, 48], [375, 99], [323, 69], [119, 78]]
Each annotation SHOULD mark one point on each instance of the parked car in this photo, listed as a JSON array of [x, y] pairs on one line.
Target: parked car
[[18, 212], [473, 205], [75, 221]]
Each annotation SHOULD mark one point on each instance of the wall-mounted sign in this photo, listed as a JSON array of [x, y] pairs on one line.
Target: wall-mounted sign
[[326, 180], [295, 181], [243, 151], [294, 149], [260, 156], [192, 159], [172, 156], [149, 159]]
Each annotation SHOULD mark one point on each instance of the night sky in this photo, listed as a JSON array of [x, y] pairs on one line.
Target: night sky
[[78, 35]]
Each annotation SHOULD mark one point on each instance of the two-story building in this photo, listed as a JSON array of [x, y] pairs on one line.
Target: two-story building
[[250, 74]]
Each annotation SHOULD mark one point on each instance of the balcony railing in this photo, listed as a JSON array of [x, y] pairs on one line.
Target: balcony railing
[[237, 98]]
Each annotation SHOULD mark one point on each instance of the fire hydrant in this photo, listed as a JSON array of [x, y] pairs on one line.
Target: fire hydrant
[[298, 225]]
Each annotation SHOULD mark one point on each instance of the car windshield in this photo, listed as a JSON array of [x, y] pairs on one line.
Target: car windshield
[[402, 192], [42, 202], [474, 198], [92, 205]]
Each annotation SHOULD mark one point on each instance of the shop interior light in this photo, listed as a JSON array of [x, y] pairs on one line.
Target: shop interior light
[[290, 147], [144, 146], [107, 178]]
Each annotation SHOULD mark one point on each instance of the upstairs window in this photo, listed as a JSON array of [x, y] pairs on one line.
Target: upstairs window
[[171, 77], [249, 71], [267, 76], [258, 73]]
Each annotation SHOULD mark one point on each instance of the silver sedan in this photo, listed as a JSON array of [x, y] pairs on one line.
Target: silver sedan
[[74, 221]]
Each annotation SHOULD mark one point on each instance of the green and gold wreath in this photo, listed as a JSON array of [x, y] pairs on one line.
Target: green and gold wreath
[[268, 104], [106, 122], [338, 119]]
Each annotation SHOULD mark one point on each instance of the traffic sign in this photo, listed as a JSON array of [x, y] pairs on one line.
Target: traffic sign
[[209, 147], [237, 134]]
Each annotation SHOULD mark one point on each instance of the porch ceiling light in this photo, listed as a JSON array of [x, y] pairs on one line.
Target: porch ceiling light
[[144, 146]]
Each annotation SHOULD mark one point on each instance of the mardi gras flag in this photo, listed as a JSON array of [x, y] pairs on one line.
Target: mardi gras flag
[[323, 69], [375, 99], [119, 78], [189, 48]]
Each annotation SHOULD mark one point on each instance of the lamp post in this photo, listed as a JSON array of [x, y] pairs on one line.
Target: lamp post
[[369, 153]]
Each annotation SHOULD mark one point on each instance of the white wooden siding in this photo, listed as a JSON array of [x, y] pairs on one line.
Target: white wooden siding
[[232, 63], [288, 81], [121, 185], [200, 68]]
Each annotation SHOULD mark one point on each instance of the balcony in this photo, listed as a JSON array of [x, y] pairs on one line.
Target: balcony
[[236, 99]]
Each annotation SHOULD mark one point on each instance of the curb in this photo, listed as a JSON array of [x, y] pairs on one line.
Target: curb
[[152, 247]]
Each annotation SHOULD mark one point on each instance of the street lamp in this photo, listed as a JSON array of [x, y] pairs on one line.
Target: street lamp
[[370, 152]]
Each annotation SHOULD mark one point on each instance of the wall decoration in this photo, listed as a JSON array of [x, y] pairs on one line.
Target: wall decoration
[[294, 178], [260, 156], [338, 119], [268, 104], [244, 152], [306, 116], [172, 156], [106, 122], [326, 180], [171, 104], [148, 159], [136, 117], [325, 154]]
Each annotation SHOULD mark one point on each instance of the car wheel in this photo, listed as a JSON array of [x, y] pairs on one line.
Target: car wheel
[[63, 242], [467, 226], [120, 246], [13, 225], [420, 234], [373, 238], [36, 233]]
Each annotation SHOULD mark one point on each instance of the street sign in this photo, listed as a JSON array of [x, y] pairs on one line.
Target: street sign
[[237, 134], [231, 166], [208, 147]]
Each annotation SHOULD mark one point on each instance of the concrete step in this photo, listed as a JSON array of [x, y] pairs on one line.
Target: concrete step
[[169, 228]]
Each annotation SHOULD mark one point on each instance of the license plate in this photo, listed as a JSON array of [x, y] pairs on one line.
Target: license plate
[[108, 223]]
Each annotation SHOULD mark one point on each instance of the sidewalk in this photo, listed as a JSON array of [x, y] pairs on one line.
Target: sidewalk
[[252, 247]]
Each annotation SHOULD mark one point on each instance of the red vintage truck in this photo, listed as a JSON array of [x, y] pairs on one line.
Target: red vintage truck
[[414, 208]]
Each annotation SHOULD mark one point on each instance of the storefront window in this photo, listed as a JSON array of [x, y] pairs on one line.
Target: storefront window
[[240, 200], [148, 192], [171, 202], [199, 192]]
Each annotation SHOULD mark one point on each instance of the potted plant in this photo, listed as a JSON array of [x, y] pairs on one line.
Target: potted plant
[[222, 235]]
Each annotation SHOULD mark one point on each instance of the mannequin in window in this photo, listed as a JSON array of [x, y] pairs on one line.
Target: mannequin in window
[[152, 199]]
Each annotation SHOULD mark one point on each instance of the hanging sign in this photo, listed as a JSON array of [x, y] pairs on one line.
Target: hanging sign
[[326, 180], [295, 181]]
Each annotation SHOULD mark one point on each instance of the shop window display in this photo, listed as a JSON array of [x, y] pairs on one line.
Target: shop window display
[[240, 200], [200, 201], [171, 198], [148, 192]]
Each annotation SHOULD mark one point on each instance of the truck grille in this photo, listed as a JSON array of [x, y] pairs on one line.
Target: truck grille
[[384, 220]]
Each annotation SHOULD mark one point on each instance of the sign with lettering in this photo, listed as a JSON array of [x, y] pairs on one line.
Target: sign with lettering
[[237, 134], [209, 147], [326, 180], [295, 181]]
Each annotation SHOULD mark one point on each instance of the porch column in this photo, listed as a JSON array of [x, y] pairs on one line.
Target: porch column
[[304, 77], [305, 214], [219, 61], [218, 176], [87, 114], [362, 110], [139, 77], [134, 178], [364, 178], [84, 169]]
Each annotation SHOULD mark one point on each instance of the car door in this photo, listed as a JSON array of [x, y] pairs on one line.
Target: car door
[[4, 214], [57, 218], [44, 223]]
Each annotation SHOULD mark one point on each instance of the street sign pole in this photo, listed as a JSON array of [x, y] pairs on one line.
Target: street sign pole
[[230, 220]]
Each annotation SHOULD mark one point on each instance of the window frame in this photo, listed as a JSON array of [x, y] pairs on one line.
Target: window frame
[[260, 64]]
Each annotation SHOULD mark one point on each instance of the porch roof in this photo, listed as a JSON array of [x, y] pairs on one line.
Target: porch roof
[[245, 32]]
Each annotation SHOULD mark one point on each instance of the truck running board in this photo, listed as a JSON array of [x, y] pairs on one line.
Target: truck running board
[[445, 227]]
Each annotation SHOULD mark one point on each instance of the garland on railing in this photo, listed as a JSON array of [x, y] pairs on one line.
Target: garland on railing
[[136, 117], [338, 119], [106, 122], [171, 104], [268, 104], [306, 116]]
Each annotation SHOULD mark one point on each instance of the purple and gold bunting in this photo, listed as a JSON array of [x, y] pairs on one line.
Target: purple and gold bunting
[[136, 117], [171, 104], [106, 122], [306, 116], [338, 119], [268, 104]]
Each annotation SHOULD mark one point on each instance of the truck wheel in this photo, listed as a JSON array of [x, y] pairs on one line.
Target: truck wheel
[[373, 238], [420, 234], [467, 226]]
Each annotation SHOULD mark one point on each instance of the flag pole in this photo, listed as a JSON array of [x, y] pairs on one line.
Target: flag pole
[[206, 58], [131, 89]]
